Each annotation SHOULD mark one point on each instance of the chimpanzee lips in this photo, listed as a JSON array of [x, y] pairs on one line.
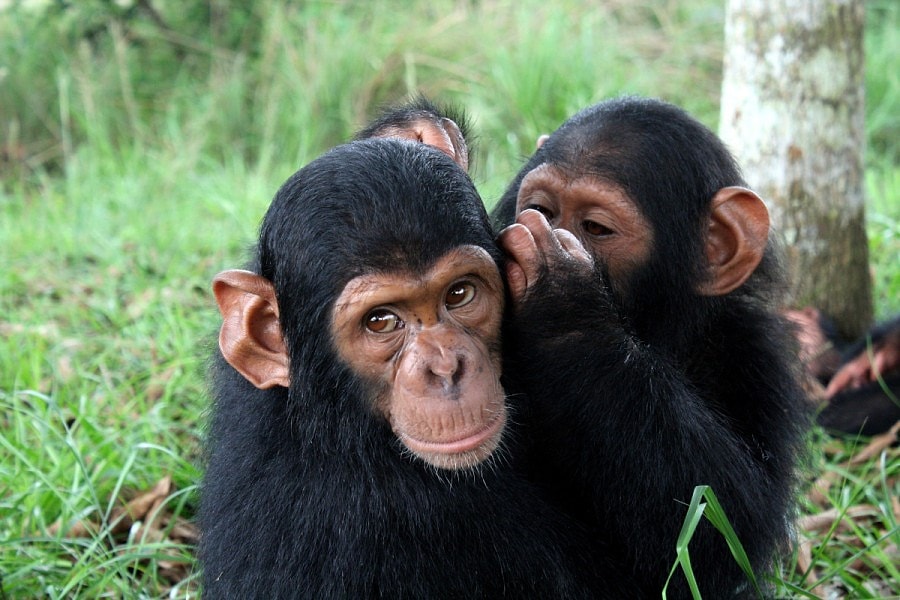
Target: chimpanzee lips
[[466, 443]]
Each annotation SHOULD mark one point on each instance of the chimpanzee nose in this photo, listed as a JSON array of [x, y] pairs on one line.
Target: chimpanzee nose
[[446, 365], [442, 363]]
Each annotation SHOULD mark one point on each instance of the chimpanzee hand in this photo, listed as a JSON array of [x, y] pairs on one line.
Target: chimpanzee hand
[[556, 289], [536, 251], [867, 366]]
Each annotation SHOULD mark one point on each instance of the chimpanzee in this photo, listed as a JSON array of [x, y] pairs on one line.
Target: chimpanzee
[[642, 333], [443, 126], [361, 444], [862, 377]]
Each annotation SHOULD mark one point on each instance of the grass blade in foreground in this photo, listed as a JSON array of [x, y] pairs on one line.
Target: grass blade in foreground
[[716, 515]]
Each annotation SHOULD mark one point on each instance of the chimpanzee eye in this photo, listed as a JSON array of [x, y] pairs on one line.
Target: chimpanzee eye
[[598, 229], [459, 295], [382, 320]]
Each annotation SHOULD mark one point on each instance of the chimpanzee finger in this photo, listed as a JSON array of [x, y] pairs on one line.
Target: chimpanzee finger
[[542, 231], [851, 375], [553, 245], [524, 260], [572, 246]]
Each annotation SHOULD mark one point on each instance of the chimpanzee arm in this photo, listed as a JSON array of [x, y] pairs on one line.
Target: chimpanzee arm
[[621, 430], [622, 435]]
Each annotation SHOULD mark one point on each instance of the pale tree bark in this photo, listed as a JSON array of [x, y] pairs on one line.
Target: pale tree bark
[[792, 113]]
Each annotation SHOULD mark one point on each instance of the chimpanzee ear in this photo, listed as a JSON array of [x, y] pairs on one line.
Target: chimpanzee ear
[[250, 338], [460, 153], [736, 240]]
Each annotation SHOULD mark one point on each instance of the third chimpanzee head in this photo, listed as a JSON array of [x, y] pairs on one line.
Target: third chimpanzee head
[[658, 200], [378, 298], [420, 120]]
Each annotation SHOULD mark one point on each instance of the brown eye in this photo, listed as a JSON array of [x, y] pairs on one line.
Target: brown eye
[[459, 295], [382, 320], [597, 229]]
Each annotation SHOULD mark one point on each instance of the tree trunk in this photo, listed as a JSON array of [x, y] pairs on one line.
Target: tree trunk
[[792, 113]]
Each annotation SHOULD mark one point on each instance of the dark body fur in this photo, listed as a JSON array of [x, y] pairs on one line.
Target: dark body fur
[[307, 492], [641, 390]]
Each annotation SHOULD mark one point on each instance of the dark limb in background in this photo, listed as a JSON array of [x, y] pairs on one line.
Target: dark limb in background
[[858, 383]]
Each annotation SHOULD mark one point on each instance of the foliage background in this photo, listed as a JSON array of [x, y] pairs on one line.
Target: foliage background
[[140, 143]]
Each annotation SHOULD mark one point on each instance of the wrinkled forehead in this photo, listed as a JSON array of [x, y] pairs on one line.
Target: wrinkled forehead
[[580, 153]]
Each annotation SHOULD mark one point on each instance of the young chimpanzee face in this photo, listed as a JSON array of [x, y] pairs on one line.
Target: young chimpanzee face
[[597, 212], [650, 194], [378, 283], [428, 345]]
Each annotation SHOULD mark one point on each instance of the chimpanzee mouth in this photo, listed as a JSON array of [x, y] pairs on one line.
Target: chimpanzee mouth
[[490, 433]]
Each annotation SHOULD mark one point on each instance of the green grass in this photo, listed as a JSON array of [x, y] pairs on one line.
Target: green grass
[[137, 156], [883, 212]]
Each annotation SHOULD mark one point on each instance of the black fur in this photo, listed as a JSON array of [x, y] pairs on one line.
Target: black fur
[[638, 397], [307, 492]]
